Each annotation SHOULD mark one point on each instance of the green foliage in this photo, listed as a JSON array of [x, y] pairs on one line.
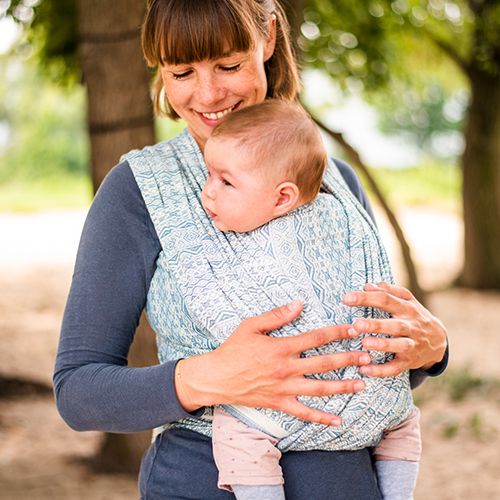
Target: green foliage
[[53, 193], [410, 58], [476, 426], [450, 429], [44, 124], [51, 31], [463, 383]]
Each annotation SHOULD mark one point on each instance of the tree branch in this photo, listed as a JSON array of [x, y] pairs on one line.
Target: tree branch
[[355, 158], [449, 50]]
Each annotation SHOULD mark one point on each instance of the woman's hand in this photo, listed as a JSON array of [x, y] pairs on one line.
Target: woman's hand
[[419, 337], [252, 369]]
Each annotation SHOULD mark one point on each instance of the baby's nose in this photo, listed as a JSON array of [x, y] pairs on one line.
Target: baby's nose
[[208, 190]]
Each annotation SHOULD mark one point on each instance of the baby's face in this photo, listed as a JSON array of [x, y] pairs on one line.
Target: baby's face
[[237, 194]]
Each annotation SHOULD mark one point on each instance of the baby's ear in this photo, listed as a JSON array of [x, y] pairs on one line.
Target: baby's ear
[[287, 198]]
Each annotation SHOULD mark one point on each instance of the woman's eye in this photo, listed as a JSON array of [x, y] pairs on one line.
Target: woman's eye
[[235, 67], [180, 76]]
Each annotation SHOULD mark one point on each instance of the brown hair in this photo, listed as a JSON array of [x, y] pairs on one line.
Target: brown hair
[[185, 31], [283, 136]]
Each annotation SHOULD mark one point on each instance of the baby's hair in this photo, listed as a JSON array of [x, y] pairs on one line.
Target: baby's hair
[[280, 135]]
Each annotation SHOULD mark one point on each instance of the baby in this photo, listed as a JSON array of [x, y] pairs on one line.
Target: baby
[[264, 162]]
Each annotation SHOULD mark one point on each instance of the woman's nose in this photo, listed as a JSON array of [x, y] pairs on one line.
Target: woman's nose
[[210, 91]]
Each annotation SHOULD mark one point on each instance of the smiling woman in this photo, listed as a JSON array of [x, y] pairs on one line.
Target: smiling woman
[[253, 59], [144, 236]]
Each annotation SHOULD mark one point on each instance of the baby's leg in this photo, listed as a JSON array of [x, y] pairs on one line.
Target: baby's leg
[[247, 459], [397, 457]]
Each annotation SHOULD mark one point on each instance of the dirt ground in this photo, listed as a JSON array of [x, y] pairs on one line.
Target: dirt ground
[[42, 459]]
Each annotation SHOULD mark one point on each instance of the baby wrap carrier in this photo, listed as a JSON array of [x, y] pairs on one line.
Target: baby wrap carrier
[[206, 282]]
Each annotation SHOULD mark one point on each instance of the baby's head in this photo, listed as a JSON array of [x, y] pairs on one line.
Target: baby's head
[[263, 161]]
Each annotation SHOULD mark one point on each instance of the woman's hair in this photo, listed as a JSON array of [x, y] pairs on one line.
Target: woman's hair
[[282, 139], [186, 31]]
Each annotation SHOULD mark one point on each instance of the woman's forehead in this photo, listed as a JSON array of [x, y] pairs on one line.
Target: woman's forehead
[[207, 30], [180, 49]]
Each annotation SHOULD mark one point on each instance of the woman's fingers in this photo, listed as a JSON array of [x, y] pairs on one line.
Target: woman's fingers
[[398, 291], [310, 387], [314, 387], [273, 319], [388, 326], [389, 369], [380, 299], [299, 410], [316, 338], [326, 363], [395, 345]]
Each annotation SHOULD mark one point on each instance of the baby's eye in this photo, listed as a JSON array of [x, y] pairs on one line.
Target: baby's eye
[[226, 183]]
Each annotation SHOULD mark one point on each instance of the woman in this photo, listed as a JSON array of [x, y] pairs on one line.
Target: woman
[[213, 57]]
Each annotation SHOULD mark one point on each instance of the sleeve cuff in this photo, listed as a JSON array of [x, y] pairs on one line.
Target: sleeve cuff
[[419, 375], [177, 412]]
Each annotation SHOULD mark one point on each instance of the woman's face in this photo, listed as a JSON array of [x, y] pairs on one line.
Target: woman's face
[[203, 92]]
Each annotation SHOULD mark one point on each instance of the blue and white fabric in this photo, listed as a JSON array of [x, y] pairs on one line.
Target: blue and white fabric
[[207, 282]]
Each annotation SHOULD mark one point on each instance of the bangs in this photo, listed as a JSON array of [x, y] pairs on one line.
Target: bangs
[[185, 31]]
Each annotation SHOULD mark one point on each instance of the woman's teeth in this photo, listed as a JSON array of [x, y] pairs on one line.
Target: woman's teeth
[[218, 115]]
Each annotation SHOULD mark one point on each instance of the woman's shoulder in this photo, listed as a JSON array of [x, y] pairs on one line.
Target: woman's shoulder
[[119, 202], [162, 155], [354, 184], [349, 176]]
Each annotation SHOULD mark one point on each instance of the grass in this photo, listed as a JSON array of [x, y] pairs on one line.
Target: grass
[[59, 193], [431, 185], [458, 384]]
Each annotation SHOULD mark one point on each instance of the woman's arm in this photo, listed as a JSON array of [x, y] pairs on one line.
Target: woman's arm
[[94, 388]]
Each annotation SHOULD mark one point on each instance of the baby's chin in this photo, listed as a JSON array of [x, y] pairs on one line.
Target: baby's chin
[[231, 229]]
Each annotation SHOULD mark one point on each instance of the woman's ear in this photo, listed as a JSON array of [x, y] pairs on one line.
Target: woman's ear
[[270, 42], [287, 198]]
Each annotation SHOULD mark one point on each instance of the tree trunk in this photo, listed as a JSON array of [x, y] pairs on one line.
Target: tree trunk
[[481, 183], [120, 113], [120, 118]]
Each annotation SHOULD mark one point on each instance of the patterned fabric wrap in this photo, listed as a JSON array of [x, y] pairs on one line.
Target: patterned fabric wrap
[[206, 282]]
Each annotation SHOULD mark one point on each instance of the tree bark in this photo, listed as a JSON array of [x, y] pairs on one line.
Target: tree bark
[[120, 118], [481, 183], [119, 107]]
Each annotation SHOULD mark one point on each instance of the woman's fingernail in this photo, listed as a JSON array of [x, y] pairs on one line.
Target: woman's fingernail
[[336, 421], [362, 325], [352, 332], [294, 305], [365, 359], [359, 386], [365, 370], [370, 343], [350, 298]]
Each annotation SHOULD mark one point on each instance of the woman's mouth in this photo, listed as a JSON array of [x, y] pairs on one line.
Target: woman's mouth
[[213, 117]]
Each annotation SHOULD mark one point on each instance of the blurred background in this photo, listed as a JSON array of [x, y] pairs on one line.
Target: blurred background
[[407, 91]]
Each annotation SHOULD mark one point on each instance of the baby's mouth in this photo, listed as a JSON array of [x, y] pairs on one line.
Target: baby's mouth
[[210, 213]]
